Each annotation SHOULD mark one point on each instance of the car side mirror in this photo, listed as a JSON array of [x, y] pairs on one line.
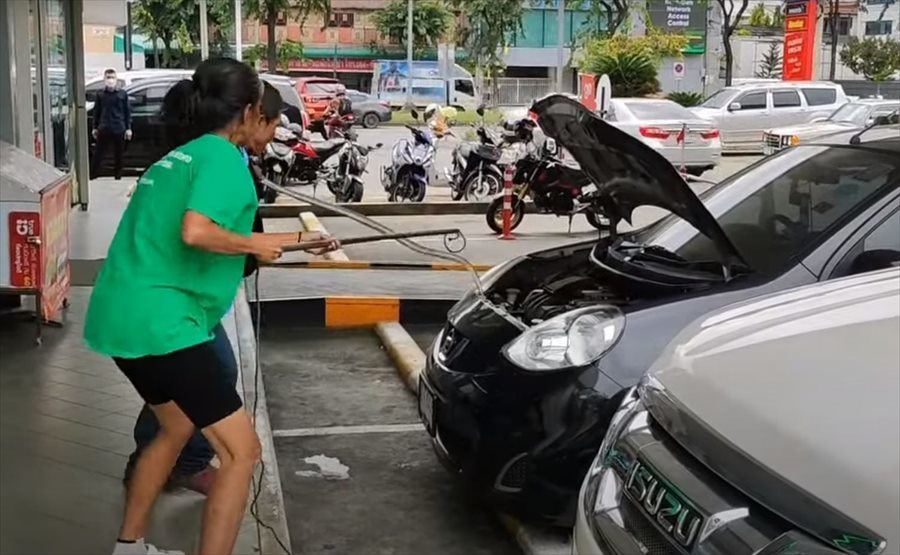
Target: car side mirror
[[878, 259], [379, 145], [480, 111], [734, 106]]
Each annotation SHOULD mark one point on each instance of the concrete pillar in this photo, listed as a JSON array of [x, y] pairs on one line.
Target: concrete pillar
[[16, 105]]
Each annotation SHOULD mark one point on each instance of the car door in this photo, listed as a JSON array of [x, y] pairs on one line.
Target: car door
[[787, 108], [147, 144], [746, 120]]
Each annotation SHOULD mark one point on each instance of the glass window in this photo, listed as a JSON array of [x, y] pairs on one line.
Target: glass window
[[785, 99], [323, 88], [753, 101], [856, 114], [340, 19], [802, 195], [719, 99], [148, 102], [883, 27], [464, 86], [819, 97]]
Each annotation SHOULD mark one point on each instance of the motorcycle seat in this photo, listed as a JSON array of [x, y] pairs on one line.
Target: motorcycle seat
[[327, 148]]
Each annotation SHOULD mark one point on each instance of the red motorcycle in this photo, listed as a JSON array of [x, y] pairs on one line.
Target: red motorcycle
[[554, 187], [292, 161]]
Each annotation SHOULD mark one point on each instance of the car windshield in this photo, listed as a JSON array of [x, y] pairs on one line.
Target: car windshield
[[720, 98], [776, 210], [856, 114], [323, 88], [659, 110]]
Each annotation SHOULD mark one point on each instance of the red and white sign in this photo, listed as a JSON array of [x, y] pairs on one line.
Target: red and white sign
[[799, 40], [588, 93], [25, 249], [678, 70]]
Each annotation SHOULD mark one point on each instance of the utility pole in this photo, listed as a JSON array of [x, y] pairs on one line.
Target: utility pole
[[409, 53], [129, 39], [238, 32], [204, 32], [560, 35]]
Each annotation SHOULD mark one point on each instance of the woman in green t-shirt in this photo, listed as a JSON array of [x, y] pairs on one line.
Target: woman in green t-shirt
[[171, 273]]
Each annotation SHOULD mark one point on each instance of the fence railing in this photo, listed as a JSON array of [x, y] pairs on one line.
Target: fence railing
[[513, 91]]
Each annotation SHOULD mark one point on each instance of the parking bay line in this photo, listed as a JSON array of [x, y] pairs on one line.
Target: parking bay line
[[349, 430]]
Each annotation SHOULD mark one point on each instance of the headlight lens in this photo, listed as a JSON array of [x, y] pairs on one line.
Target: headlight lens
[[576, 338]]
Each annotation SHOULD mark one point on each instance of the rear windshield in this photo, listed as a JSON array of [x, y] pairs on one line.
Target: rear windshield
[[720, 98], [779, 209], [658, 110], [323, 88], [288, 94]]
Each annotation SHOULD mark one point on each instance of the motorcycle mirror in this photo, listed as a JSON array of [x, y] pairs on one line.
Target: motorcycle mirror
[[379, 145], [480, 110], [414, 114]]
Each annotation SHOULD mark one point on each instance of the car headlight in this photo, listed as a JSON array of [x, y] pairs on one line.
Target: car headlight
[[576, 338], [795, 140]]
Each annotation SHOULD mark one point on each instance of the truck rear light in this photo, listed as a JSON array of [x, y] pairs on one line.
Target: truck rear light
[[654, 133], [711, 134]]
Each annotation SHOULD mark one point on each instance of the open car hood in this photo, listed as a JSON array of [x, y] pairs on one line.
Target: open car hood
[[627, 172]]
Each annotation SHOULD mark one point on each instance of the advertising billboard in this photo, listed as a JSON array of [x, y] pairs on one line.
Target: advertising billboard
[[392, 78]]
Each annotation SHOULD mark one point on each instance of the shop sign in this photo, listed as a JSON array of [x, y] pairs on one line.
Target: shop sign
[[799, 40]]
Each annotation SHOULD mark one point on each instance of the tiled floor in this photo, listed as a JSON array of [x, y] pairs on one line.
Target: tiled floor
[[66, 417]]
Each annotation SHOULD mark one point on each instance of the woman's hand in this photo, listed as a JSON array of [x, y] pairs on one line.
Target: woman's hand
[[333, 244], [267, 247]]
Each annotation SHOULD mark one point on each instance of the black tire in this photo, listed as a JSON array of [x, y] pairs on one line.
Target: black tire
[[597, 221], [457, 193], [355, 192], [493, 181], [494, 216], [371, 120], [696, 171], [419, 195]]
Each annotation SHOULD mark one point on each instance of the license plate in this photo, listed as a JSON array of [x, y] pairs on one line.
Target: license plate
[[426, 407]]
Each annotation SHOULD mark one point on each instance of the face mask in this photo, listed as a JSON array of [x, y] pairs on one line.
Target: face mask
[[111, 83]]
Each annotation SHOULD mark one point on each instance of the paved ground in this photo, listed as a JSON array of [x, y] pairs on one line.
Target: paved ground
[[367, 491]]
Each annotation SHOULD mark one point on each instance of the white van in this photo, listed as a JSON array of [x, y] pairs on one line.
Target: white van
[[743, 113]]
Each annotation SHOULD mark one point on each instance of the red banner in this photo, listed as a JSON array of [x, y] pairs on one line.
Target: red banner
[[25, 249], [55, 248], [587, 83], [799, 39]]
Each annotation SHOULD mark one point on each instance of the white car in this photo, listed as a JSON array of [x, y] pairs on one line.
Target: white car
[[767, 427]]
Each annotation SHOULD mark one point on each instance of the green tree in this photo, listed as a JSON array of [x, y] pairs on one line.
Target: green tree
[[732, 12], [832, 11], [431, 21], [778, 18], [873, 58], [165, 21], [612, 14], [632, 63], [269, 10], [485, 32], [759, 17], [287, 51], [770, 67]]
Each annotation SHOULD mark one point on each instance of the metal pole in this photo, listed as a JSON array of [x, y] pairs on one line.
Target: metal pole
[[238, 32], [204, 32], [409, 53], [129, 46], [560, 35]]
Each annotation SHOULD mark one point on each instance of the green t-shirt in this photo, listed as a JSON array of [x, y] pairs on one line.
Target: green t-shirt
[[155, 294]]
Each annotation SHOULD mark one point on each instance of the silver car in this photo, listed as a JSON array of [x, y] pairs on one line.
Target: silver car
[[659, 123], [850, 116], [743, 113], [767, 427]]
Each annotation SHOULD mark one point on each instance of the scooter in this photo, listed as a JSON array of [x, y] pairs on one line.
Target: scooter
[[347, 184], [412, 161], [554, 187]]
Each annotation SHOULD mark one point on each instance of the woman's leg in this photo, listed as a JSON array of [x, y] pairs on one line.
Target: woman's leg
[[153, 467], [237, 447]]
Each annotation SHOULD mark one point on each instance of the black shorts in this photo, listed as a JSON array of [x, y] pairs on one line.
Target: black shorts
[[191, 377]]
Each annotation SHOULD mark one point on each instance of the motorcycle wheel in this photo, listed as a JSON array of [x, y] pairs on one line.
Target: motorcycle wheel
[[456, 193], [494, 214], [489, 186], [597, 221], [418, 194], [352, 192]]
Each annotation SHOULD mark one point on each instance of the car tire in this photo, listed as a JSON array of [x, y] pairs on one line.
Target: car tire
[[371, 120], [696, 171]]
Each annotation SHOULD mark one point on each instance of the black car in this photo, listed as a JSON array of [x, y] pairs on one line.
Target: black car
[[521, 383], [146, 97]]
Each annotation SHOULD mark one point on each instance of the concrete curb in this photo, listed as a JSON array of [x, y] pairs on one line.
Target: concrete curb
[[311, 223], [406, 355], [410, 362], [270, 506]]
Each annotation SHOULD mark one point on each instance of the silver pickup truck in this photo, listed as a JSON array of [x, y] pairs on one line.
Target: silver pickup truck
[[767, 427]]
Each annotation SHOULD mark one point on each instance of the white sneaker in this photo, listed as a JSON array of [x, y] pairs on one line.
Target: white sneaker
[[141, 548]]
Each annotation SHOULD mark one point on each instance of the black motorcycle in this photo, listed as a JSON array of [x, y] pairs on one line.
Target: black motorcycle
[[347, 183], [554, 187]]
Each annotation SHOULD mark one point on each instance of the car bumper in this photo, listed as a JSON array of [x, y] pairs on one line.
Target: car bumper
[[583, 540], [692, 157], [502, 448]]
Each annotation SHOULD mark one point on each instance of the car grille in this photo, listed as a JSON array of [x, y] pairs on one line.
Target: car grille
[[457, 353], [646, 534], [514, 474], [772, 141]]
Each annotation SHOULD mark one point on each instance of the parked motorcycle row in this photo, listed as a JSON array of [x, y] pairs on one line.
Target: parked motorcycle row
[[291, 160]]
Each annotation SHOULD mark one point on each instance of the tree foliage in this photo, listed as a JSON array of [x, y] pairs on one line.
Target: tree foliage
[[632, 63], [831, 9], [269, 10], [612, 13], [486, 27], [759, 17], [771, 64], [873, 58], [167, 21], [431, 22], [778, 18], [732, 12]]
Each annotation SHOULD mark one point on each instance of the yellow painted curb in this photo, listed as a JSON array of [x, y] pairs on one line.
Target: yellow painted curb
[[311, 223], [404, 352], [355, 312]]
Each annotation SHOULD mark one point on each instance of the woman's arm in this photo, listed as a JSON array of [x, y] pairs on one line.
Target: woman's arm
[[200, 232]]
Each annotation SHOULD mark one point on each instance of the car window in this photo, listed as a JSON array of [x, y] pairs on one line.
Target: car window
[[719, 99], [148, 102], [877, 250], [464, 86], [752, 100], [288, 94], [785, 99], [819, 97], [780, 208], [857, 114], [659, 110]]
